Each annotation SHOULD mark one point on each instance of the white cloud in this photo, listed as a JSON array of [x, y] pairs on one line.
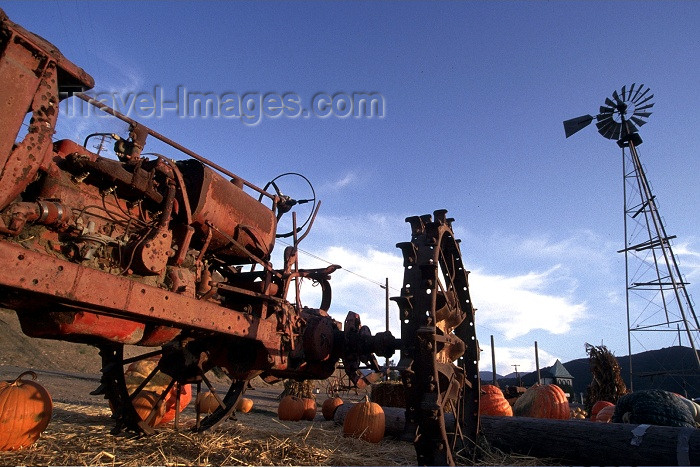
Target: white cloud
[[337, 185], [77, 118], [689, 260], [514, 305], [518, 305], [358, 286]]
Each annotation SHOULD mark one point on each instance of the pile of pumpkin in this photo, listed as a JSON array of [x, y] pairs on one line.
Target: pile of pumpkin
[[26, 406], [206, 403], [145, 400], [364, 420], [655, 407], [538, 401]]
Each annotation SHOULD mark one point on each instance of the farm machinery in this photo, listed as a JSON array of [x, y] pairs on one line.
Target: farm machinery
[[173, 257]]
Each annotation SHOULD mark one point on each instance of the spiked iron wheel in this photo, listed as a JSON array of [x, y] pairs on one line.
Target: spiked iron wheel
[[440, 353], [174, 369], [620, 116]]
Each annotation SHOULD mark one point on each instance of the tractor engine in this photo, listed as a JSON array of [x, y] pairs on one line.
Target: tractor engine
[[131, 219]]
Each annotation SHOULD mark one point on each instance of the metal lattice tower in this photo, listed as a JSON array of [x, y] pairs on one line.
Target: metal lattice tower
[[656, 296]]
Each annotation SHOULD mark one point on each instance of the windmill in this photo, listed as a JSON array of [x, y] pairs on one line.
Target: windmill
[[656, 296]]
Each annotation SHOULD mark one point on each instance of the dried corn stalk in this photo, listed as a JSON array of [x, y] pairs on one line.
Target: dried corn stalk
[[298, 388], [607, 385]]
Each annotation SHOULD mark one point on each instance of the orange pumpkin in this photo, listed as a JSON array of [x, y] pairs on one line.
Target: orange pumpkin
[[605, 414], [244, 405], [598, 406], [171, 398], [290, 408], [25, 412], [365, 420], [492, 402], [144, 403], [543, 401], [309, 409], [329, 406], [139, 370], [206, 403]]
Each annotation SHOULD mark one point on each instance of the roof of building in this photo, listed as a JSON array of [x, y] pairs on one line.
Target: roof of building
[[558, 371]]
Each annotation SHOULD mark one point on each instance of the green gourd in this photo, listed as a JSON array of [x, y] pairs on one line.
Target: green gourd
[[653, 407]]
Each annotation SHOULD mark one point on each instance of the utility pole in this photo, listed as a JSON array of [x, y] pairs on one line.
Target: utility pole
[[537, 364], [493, 361], [386, 305], [517, 374]]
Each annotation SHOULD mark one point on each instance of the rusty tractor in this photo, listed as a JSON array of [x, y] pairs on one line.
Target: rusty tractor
[[173, 257]]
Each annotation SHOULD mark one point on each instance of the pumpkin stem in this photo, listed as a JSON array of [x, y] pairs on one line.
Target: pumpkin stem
[[19, 378]]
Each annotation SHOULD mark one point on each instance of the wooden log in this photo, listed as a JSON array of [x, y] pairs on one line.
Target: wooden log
[[580, 442]]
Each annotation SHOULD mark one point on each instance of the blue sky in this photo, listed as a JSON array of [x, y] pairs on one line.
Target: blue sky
[[474, 98]]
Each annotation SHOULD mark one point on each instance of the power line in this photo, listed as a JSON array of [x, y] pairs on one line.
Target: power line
[[487, 328], [375, 282]]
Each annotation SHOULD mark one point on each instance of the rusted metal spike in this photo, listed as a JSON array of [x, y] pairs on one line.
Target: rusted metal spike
[[404, 301], [439, 216], [417, 225], [409, 253]]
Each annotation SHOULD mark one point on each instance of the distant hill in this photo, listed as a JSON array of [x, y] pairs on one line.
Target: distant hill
[[487, 376], [671, 368]]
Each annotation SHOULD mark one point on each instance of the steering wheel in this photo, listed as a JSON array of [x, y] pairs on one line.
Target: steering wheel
[[287, 203]]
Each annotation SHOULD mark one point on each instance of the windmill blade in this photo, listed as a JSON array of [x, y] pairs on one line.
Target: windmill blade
[[636, 100], [606, 110], [575, 124], [605, 125], [609, 102], [638, 121], [630, 127], [648, 106], [611, 131], [629, 94], [617, 97], [616, 132], [623, 93], [642, 114], [602, 121], [635, 94], [645, 100]]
